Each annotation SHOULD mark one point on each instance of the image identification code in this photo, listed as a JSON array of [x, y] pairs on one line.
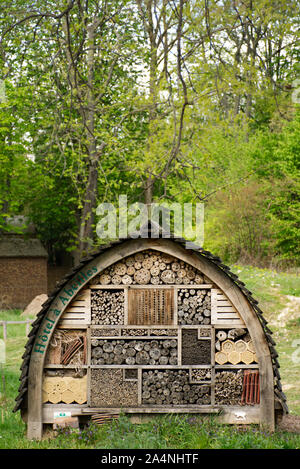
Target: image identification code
[[150, 458]]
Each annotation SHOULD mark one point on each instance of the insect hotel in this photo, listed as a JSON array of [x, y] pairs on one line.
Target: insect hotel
[[148, 326]]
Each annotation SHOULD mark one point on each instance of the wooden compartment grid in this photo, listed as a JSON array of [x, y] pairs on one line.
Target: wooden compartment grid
[[149, 308]]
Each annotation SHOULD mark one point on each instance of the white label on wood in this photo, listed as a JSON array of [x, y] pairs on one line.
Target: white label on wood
[[222, 311], [58, 415]]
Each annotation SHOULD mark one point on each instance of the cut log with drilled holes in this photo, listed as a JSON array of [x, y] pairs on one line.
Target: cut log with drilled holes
[[237, 348], [64, 389]]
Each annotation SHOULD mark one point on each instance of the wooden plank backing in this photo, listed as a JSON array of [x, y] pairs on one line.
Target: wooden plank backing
[[222, 311]]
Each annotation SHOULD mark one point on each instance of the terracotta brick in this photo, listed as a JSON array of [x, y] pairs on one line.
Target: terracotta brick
[[21, 280]]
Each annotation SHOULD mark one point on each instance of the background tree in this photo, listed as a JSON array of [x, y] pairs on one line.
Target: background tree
[[158, 99]]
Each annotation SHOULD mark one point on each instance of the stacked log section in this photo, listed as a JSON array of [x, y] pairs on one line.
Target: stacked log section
[[134, 352], [195, 351], [201, 375], [109, 389], [171, 388], [194, 306], [149, 267], [107, 307], [234, 346], [64, 389], [228, 387]]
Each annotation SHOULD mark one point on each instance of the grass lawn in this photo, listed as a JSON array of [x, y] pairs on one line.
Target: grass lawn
[[278, 295]]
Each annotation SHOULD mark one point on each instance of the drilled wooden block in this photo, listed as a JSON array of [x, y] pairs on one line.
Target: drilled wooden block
[[150, 306]]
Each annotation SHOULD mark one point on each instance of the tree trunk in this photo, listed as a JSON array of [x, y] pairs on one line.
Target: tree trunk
[[90, 197], [87, 214]]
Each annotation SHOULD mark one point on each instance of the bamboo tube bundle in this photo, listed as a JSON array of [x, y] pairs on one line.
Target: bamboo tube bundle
[[107, 307], [228, 387], [194, 306]]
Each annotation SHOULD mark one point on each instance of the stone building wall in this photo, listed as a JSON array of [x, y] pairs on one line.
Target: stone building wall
[[21, 280]]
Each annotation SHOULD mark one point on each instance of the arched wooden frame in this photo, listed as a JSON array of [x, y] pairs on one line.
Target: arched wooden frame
[[217, 276]]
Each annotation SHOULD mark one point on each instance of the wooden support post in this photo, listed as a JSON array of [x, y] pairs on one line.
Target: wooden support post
[[28, 322], [4, 324]]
